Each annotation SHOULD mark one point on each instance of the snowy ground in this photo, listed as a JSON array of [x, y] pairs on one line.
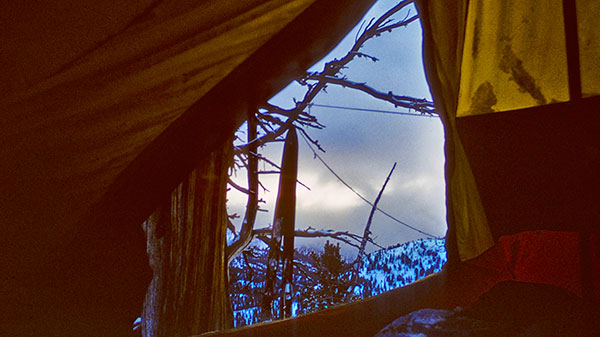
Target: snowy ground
[[383, 270]]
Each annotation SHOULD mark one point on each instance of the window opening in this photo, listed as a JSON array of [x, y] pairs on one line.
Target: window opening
[[363, 134]]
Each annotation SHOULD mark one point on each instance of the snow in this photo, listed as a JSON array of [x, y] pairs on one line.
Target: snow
[[382, 270], [294, 308], [415, 323], [391, 268]]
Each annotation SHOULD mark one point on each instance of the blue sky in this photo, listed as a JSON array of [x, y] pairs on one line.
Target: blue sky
[[362, 147]]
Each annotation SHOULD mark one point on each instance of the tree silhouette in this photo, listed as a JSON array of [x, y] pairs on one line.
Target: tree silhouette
[[331, 267]]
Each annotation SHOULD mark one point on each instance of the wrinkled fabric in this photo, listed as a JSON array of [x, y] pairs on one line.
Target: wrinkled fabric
[[508, 309]]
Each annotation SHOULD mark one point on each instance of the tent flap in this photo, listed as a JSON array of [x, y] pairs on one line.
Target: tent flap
[[443, 28], [520, 154]]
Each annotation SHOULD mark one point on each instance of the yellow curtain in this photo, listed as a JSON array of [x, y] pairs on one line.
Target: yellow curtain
[[514, 55], [443, 28], [486, 56], [589, 46]]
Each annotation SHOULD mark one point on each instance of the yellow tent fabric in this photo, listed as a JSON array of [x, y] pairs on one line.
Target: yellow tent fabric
[[589, 46], [443, 28], [515, 57], [492, 56], [498, 72]]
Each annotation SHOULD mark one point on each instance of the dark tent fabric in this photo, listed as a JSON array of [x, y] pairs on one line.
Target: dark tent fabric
[[106, 106]]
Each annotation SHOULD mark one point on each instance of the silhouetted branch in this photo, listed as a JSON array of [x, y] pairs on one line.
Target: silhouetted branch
[[421, 105], [277, 172], [343, 236], [265, 159], [238, 187], [315, 142]]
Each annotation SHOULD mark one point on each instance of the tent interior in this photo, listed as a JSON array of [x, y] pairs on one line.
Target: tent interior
[[108, 106]]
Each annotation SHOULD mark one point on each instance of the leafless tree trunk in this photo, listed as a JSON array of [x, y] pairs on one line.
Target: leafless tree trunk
[[267, 305], [285, 210], [363, 244], [186, 245], [245, 236], [283, 226]]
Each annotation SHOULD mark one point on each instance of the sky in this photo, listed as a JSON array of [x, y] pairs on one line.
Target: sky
[[361, 147]]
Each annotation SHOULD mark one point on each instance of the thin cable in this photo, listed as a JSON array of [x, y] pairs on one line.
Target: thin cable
[[358, 194], [373, 110]]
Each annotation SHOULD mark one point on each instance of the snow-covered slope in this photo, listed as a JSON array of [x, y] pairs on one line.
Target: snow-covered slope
[[398, 266], [381, 271]]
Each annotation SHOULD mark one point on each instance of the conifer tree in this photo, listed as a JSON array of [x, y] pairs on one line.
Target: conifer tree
[[332, 286]]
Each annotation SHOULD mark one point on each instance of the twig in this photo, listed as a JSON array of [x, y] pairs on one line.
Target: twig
[[258, 156], [315, 142]]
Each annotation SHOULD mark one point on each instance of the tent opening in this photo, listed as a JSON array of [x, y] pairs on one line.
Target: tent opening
[[342, 163]]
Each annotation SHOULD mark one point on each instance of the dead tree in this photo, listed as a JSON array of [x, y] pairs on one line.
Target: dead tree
[[361, 250], [272, 122], [189, 293], [285, 212], [267, 306], [365, 238], [245, 235], [283, 221]]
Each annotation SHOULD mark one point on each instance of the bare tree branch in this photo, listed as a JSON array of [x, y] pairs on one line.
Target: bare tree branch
[[268, 172], [277, 172], [265, 159], [315, 142], [238, 187], [421, 105], [231, 227], [343, 236]]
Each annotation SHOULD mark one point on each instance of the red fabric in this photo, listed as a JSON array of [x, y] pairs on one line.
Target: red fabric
[[473, 278], [546, 257]]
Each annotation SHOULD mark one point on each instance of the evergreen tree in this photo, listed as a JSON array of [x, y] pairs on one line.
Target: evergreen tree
[[332, 283]]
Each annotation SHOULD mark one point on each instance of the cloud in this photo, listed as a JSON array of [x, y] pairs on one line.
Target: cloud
[[409, 186], [326, 195]]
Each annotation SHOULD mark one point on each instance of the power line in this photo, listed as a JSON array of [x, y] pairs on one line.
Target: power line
[[358, 194], [389, 112]]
